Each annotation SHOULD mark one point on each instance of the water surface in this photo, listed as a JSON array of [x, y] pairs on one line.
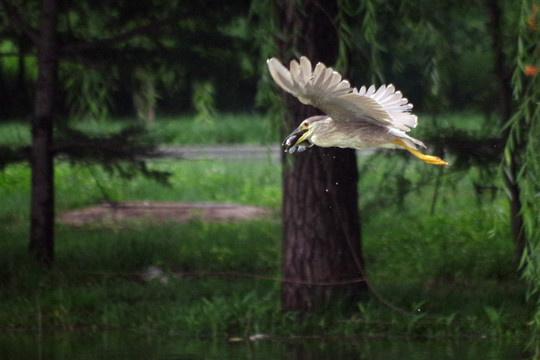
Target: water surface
[[22, 346]]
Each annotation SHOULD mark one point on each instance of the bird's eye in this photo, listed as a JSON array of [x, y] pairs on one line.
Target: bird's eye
[[306, 124]]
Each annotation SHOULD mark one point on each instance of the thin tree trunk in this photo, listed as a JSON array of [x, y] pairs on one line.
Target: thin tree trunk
[[502, 74], [42, 198], [22, 96], [321, 229]]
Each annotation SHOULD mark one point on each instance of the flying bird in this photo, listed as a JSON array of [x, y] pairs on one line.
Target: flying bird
[[354, 118]]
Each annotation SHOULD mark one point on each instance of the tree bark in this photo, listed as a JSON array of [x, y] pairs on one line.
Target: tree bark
[[503, 77], [321, 228], [42, 197]]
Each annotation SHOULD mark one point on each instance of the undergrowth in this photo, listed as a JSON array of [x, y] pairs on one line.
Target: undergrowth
[[436, 250]]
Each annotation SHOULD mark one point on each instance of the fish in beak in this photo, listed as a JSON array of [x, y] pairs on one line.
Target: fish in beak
[[296, 140]]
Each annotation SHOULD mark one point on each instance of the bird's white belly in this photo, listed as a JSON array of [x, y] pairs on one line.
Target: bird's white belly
[[358, 138]]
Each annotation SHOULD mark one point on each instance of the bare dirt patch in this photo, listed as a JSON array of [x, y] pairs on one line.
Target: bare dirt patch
[[108, 213]]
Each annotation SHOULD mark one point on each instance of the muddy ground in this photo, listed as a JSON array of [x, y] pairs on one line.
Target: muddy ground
[[156, 212]]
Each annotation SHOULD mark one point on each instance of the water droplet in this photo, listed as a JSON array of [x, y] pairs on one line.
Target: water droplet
[[337, 183], [326, 190]]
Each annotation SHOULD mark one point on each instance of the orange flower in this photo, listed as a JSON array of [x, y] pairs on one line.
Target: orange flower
[[531, 20], [531, 70]]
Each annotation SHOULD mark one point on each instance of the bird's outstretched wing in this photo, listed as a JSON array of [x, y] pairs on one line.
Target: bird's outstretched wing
[[325, 89]]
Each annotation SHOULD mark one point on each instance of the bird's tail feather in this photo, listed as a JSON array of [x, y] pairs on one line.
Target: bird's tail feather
[[408, 140]]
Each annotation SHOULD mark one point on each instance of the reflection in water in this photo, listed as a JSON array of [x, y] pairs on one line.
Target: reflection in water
[[22, 346]]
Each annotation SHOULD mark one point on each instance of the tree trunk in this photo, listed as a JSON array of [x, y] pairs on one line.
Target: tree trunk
[[321, 230], [144, 97], [503, 77], [42, 198]]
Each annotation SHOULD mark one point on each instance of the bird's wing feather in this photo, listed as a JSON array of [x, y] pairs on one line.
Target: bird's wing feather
[[325, 89]]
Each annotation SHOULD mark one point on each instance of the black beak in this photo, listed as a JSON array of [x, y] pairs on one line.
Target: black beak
[[291, 142]]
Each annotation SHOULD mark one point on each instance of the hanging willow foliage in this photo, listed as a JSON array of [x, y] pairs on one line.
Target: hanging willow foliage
[[266, 35], [525, 143]]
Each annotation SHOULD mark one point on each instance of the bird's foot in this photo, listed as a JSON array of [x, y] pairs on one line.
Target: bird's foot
[[430, 159]]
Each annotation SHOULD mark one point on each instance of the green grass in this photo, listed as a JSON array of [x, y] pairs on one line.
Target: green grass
[[248, 128], [255, 182], [252, 128], [15, 133], [444, 257], [95, 279], [94, 282]]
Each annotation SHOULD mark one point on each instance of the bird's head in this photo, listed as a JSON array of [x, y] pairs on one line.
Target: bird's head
[[300, 138]]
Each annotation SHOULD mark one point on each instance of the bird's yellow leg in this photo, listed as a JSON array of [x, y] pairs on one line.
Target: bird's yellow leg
[[430, 159]]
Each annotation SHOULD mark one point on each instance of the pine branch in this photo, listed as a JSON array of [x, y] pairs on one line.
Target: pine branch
[[78, 47], [11, 155], [122, 153]]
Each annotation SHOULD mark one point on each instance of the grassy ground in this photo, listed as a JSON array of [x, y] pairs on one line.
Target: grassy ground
[[253, 129], [444, 256]]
